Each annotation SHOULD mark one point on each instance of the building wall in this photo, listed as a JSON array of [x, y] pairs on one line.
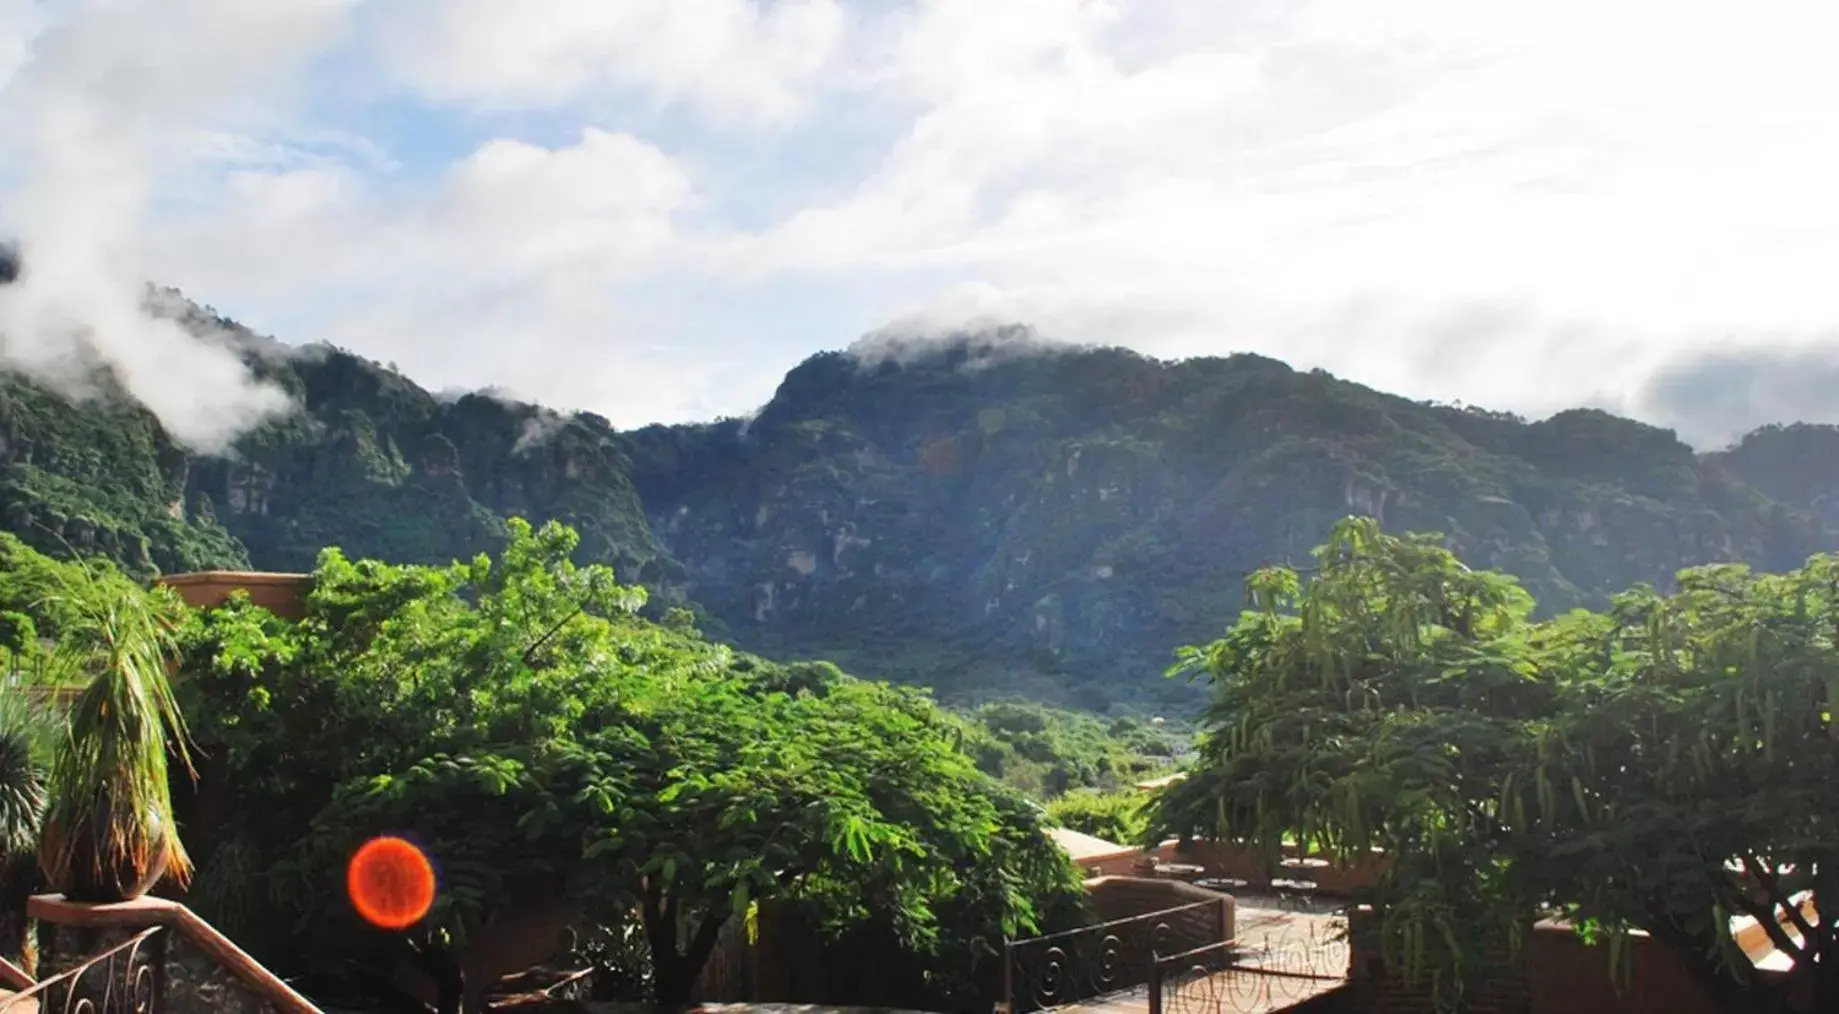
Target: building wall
[[1122, 897], [281, 594], [1378, 989], [1553, 973], [1571, 978]]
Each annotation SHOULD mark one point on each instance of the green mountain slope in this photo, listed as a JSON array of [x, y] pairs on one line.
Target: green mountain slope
[[972, 518], [372, 463], [983, 515]]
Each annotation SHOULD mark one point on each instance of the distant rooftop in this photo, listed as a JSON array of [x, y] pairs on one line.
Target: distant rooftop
[[280, 593], [1082, 846], [231, 577]]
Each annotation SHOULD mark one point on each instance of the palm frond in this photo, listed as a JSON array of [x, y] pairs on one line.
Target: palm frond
[[113, 758]]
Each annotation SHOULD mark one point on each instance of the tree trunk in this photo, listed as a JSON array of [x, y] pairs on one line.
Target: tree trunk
[[674, 973], [442, 967]]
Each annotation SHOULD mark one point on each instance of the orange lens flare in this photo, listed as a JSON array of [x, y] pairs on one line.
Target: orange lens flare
[[391, 883]]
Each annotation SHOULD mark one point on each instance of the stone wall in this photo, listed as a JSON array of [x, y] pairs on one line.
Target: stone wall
[[197, 984], [191, 981], [152, 946]]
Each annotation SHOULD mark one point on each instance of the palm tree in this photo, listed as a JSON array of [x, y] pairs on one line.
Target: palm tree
[[108, 830]]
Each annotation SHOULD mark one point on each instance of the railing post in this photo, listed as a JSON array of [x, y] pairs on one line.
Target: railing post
[[162, 955], [1008, 976], [1155, 987]]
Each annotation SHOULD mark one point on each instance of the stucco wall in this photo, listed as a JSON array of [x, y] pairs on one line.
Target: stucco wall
[[281, 594]]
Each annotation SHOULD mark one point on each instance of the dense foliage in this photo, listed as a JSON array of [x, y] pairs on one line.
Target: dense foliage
[[25, 743], [109, 818], [550, 748], [1660, 766], [992, 517], [1117, 816], [1049, 751]]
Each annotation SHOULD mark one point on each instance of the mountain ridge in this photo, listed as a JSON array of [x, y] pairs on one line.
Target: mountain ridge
[[987, 514]]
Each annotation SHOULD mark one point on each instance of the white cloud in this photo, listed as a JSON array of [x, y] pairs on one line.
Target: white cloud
[[736, 60], [99, 109], [1338, 188], [1522, 204], [518, 268]]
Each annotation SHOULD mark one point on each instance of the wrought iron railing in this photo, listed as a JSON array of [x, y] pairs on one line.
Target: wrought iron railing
[[1065, 968], [1243, 977], [128, 978]]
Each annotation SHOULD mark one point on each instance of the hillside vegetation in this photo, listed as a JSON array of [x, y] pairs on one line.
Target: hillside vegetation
[[991, 516]]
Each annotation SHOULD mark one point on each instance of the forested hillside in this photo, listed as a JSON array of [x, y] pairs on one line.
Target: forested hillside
[[989, 516]]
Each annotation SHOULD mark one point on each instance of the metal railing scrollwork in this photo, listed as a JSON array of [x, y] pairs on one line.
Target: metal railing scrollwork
[[128, 978], [1066, 968], [1238, 977]]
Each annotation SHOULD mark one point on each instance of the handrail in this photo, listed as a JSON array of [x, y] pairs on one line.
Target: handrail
[[1229, 975], [14, 977], [164, 912], [1052, 971], [139, 979], [1299, 958], [1159, 914]]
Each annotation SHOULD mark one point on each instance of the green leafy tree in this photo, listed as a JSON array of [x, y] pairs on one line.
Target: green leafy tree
[[1113, 816], [541, 741], [1691, 774], [1610, 768]]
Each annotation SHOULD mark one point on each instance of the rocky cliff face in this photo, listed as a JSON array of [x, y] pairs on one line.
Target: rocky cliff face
[[973, 519], [101, 477], [379, 467], [983, 516]]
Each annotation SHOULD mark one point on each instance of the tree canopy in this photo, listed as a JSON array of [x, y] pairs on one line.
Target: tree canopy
[[1662, 765], [542, 743]]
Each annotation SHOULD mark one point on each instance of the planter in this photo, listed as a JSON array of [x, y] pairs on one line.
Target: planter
[[91, 880]]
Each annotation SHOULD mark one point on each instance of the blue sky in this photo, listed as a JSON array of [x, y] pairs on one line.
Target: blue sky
[[653, 208]]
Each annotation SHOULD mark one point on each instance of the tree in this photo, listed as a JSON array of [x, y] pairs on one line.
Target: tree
[[108, 829], [1113, 816], [540, 740], [1699, 733], [1606, 767]]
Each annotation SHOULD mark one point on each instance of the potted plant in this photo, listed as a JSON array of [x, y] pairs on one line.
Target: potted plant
[[109, 833]]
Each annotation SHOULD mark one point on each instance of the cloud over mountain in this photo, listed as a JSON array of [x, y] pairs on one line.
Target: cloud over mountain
[[651, 212]]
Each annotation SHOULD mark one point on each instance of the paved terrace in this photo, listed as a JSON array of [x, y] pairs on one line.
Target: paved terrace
[[1288, 956]]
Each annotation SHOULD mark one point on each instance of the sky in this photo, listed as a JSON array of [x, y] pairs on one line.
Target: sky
[[651, 209]]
